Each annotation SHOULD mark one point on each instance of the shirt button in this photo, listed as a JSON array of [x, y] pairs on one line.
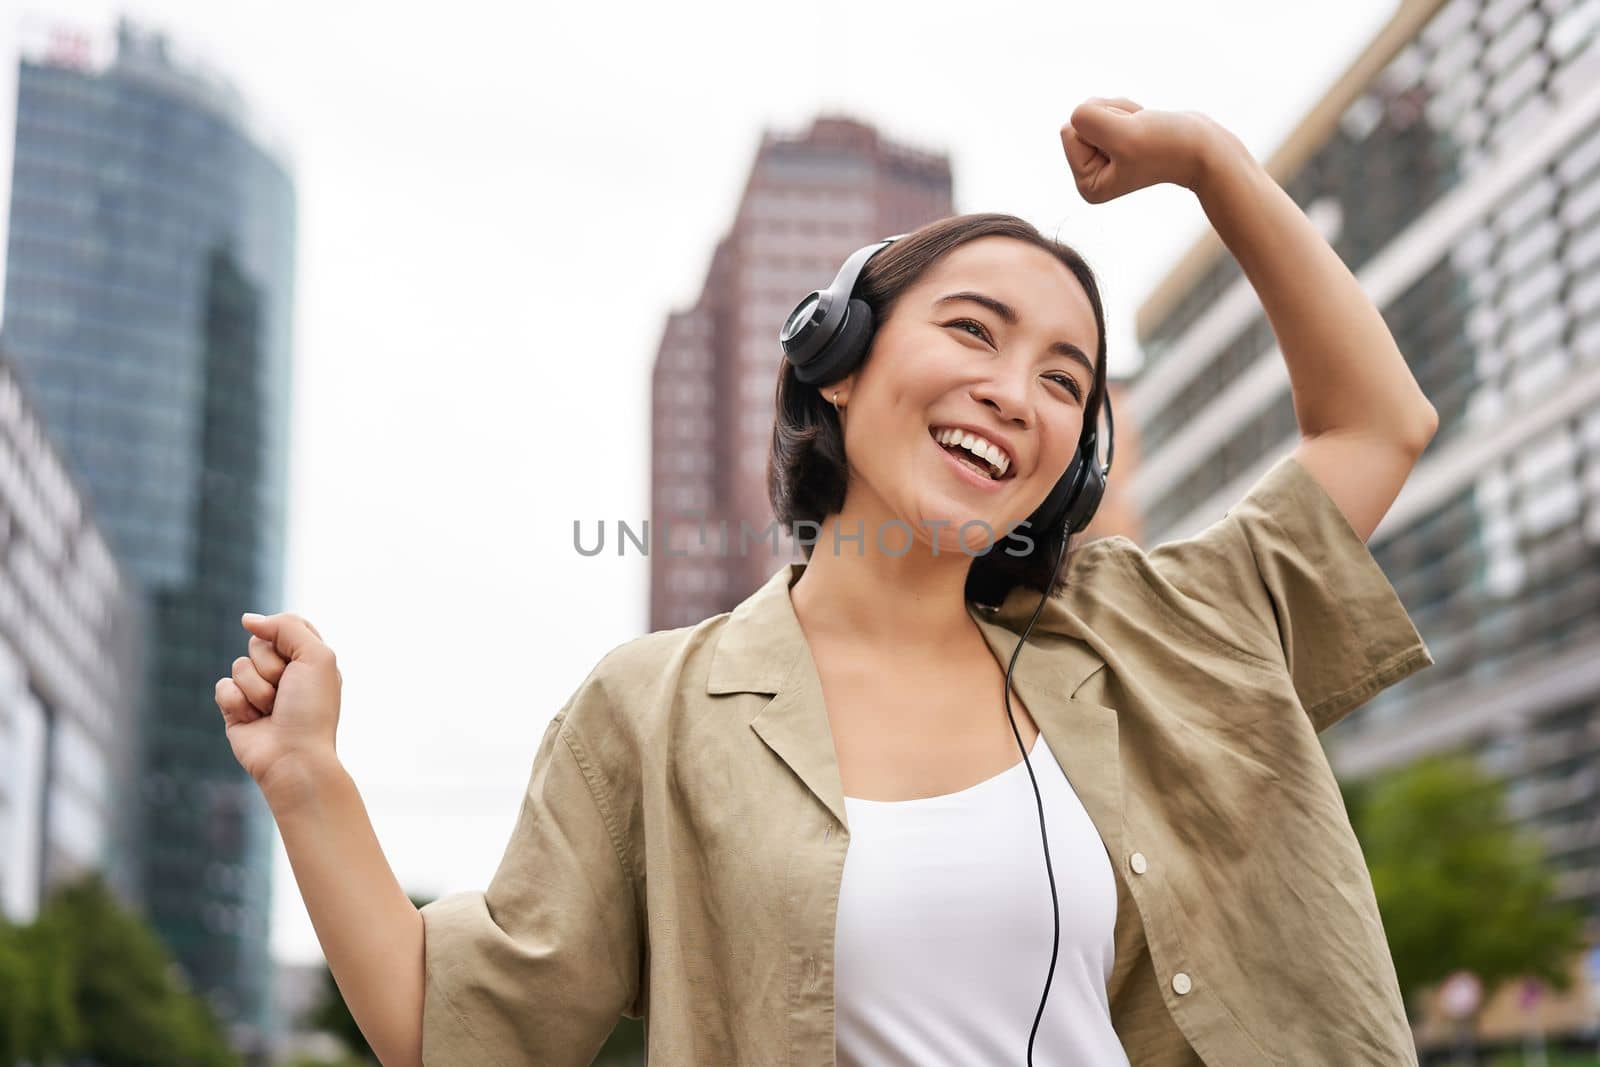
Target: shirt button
[[1136, 861], [1180, 983]]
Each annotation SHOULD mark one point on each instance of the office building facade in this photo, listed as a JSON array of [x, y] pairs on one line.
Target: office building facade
[[70, 674], [148, 303]]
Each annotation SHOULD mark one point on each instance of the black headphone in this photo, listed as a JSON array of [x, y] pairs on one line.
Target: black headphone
[[825, 337]]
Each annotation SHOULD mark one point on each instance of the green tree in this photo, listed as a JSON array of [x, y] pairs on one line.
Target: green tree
[[1458, 884], [38, 1016], [16, 987], [126, 1006], [625, 1046]]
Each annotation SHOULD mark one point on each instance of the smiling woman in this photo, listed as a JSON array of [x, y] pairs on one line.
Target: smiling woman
[[791, 832], [958, 292], [980, 349]]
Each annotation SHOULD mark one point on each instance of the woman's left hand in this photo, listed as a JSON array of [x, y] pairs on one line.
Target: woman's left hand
[[1114, 146]]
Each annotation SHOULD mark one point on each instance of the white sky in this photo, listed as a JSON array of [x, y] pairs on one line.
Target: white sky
[[500, 203]]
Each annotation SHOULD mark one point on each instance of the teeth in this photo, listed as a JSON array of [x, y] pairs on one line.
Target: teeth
[[978, 446]]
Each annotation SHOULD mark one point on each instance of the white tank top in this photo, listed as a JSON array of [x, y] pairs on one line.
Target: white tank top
[[943, 938]]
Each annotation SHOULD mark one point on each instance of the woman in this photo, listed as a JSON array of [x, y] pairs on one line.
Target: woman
[[792, 833]]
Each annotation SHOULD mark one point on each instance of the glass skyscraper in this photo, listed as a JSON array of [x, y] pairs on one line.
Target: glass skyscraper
[[148, 301]]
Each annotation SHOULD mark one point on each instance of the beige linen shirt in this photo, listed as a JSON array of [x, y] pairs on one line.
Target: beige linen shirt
[[679, 849]]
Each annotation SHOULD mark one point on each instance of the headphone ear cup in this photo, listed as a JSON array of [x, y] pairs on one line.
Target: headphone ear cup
[[1087, 501], [1053, 512], [1076, 496], [845, 351]]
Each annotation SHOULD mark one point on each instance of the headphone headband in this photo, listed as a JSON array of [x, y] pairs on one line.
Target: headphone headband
[[822, 313]]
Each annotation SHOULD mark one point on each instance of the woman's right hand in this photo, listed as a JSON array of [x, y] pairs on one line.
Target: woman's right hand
[[281, 704]]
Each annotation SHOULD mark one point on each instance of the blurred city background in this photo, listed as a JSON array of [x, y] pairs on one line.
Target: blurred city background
[[356, 312]]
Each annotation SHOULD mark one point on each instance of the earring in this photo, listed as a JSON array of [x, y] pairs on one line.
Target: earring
[[836, 398]]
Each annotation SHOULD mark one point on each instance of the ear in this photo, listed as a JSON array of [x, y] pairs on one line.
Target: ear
[[843, 387]]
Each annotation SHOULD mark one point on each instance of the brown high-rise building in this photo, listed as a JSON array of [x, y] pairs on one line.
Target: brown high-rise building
[[809, 202]]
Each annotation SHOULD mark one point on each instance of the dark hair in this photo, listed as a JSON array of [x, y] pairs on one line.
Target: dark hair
[[806, 469]]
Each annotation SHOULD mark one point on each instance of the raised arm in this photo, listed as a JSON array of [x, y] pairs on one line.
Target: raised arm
[[538, 967], [1363, 419], [281, 708], [371, 933]]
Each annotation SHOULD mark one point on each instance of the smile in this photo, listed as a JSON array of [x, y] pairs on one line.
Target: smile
[[979, 459]]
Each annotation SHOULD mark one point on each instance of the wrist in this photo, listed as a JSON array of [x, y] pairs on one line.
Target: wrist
[[297, 781], [1217, 153]]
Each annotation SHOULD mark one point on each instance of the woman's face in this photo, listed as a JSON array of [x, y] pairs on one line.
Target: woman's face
[[940, 364]]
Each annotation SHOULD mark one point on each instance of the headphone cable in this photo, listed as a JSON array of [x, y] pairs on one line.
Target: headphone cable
[[1055, 905]]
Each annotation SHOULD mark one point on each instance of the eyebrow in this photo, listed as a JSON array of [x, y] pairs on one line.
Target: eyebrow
[[1006, 312]]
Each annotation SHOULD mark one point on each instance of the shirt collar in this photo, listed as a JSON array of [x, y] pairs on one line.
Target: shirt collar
[[762, 649]]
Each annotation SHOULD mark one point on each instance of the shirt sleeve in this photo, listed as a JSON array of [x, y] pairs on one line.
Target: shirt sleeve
[[541, 966], [1284, 577]]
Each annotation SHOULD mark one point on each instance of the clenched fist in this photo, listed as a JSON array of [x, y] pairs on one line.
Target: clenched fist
[[1114, 146], [281, 704]]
